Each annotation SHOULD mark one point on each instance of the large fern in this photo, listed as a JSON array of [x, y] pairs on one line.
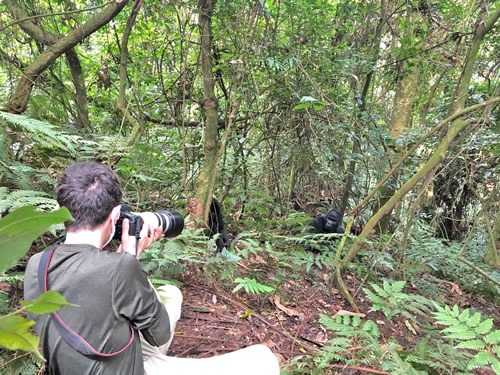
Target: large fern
[[349, 332], [469, 330], [391, 300], [9, 201], [434, 356], [40, 132], [370, 349], [26, 145]]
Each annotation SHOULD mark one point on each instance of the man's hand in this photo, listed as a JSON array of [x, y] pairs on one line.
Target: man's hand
[[150, 232]]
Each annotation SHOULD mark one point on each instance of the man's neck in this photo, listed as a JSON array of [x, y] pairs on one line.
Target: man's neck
[[87, 237]]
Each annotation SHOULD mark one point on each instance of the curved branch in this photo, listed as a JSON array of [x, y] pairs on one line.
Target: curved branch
[[44, 37], [29, 18], [19, 101], [457, 126], [137, 126]]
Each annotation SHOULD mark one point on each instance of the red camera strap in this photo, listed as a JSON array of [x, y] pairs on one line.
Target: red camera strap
[[72, 338]]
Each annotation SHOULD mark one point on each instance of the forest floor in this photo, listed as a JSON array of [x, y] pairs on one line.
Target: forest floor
[[216, 321]]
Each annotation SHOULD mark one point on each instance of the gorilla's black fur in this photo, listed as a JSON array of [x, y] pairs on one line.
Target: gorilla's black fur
[[327, 224], [216, 226]]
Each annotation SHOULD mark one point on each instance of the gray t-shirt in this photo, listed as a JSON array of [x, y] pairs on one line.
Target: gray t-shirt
[[112, 291]]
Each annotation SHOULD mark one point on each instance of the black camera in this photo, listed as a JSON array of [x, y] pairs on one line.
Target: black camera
[[171, 222]]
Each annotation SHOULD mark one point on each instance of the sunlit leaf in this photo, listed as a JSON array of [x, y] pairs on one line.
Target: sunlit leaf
[[46, 303], [15, 334], [21, 227]]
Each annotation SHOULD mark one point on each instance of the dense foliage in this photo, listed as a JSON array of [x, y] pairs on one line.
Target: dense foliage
[[317, 103]]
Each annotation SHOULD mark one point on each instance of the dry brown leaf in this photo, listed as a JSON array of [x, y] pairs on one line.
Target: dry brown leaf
[[288, 311], [350, 313]]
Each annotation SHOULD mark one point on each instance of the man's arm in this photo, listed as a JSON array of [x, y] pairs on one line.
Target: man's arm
[[135, 299]]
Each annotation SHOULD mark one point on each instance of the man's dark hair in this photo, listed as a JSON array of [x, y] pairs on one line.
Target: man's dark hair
[[90, 191]]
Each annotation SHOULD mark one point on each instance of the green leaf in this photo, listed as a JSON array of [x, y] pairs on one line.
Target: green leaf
[[21, 227], [485, 327], [496, 366], [43, 132], [474, 320], [251, 286], [471, 344], [464, 315], [236, 288], [481, 359], [46, 303], [15, 334], [309, 102], [493, 337], [462, 334]]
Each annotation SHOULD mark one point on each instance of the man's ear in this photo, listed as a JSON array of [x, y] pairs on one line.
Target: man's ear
[[115, 214]]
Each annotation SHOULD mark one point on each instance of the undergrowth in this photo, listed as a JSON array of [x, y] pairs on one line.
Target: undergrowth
[[455, 343]]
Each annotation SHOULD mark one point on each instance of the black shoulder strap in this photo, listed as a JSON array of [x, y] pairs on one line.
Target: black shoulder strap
[[69, 335]]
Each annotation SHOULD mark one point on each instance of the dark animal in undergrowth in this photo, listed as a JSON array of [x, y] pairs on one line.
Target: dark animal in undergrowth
[[216, 226], [329, 223], [323, 224]]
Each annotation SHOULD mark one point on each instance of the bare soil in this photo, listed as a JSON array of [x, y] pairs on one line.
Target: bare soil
[[216, 321]]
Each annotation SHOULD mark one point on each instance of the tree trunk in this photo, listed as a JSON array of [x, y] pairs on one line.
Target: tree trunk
[[457, 125], [19, 101], [493, 251], [199, 207], [121, 104], [362, 106], [82, 109], [448, 223], [406, 92]]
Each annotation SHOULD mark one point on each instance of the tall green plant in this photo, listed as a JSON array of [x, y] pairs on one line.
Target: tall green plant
[[469, 330], [17, 231], [392, 301]]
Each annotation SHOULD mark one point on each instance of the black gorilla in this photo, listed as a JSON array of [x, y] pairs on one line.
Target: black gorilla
[[216, 226], [329, 223]]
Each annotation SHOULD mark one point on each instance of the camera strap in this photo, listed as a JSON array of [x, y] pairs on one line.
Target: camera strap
[[69, 335]]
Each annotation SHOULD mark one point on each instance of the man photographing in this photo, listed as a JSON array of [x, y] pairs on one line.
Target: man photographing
[[118, 320]]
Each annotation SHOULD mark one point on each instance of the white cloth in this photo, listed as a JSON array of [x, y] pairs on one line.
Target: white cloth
[[252, 360]]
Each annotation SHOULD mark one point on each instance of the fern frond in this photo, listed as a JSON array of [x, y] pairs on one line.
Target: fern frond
[[251, 286], [391, 300], [472, 332], [42, 132], [496, 366], [481, 359], [374, 298], [340, 342], [471, 344], [19, 198], [484, 327], [398, 286], [430, 363], [383, 292], [474, 320], [493, 337], [464, 316], [105, 148], [459, 332]]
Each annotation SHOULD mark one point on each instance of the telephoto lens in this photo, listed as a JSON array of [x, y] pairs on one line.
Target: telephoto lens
[[171, 222]]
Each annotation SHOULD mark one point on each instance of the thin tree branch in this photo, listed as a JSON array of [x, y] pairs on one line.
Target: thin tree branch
[[30, 18]]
